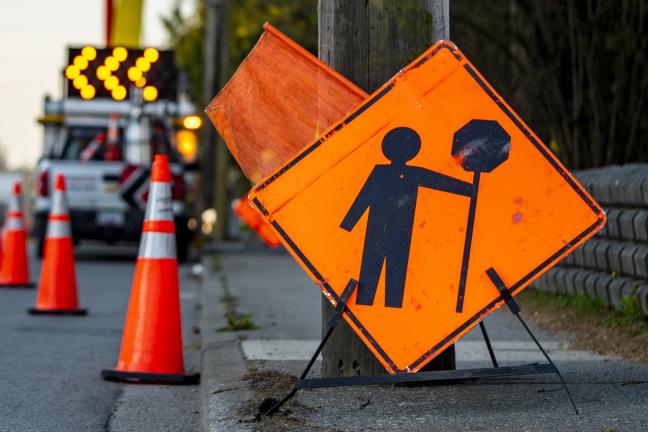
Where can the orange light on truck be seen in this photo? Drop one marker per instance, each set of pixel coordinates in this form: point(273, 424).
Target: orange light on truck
point(187, 144)
point(192, 122)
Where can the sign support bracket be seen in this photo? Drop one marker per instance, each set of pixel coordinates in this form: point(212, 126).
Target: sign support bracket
point(433, 376)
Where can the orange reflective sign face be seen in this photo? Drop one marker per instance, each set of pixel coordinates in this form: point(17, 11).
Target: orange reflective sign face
point(426, 185)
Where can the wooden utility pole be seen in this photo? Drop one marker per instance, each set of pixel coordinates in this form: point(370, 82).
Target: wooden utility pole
point(369, 41)
point(214, 153)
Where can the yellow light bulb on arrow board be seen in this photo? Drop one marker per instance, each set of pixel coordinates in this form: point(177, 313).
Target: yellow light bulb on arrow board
point(88, 92)
point(103, 72)
point(150, 93)
point(143, 64)
point(80, 62)
point(111, 63)
point(72, 72)
point(119, 93)
point(111, 82)
point(151, 54)
point(90, 53)
point(120, 53)
point(134, 73)
point(80, 81)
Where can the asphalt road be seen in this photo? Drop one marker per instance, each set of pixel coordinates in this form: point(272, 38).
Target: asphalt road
point(49, 366)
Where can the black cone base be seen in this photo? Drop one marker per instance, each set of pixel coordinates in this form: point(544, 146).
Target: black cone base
point(77, 312)
point(18, 285)
point(150, 378)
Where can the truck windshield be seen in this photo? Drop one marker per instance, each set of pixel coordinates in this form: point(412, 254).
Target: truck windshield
point(92, 144)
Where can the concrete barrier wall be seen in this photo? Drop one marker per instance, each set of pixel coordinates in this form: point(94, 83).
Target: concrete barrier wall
point(613, 264)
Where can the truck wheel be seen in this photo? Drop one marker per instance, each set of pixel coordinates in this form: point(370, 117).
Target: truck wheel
point(38, 232)
point(40, 247)
point(183, 249)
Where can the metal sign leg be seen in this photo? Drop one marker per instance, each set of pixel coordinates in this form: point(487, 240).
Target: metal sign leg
point(515, 309)
point(488, 343)
point(332, 324)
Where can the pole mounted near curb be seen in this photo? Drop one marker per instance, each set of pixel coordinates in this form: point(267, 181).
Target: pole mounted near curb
point(368, 42)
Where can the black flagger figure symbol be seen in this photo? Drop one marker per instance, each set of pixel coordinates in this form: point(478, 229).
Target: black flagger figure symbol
point(390, 194)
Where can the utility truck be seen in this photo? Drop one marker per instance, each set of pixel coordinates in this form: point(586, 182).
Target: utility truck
point(120, 107)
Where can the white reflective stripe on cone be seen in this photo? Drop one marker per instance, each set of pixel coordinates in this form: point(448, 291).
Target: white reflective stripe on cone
point(160, 204)
point(59, 203)
point(157, 245)
point(14, 223)
point(58, 229)
point(15, 203)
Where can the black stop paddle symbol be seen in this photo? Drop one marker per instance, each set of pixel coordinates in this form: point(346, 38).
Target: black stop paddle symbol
point(479, 147)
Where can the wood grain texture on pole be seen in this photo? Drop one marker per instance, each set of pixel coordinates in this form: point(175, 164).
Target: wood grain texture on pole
point(369, 41)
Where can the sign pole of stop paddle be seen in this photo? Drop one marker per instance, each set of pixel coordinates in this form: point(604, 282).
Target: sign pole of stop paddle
point(479, 147)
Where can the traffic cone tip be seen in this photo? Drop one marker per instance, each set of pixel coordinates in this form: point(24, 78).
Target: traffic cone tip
point(59, 184)
point(161, 172)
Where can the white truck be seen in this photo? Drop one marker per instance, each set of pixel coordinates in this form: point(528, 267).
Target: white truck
point(103, 142)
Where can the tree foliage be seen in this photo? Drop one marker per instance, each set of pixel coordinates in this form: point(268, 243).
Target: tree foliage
point(298, 19)
point(577, 71)
point(186, 36)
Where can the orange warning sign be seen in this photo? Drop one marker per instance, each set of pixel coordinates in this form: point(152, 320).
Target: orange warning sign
point(421, 189)
point(260, 125)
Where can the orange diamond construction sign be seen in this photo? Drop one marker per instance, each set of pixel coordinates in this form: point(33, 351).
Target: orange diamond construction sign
point(416, 193)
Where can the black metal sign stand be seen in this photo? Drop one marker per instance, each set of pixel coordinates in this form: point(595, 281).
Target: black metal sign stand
point(435, 376)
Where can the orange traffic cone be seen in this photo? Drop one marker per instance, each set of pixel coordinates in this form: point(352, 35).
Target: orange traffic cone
point(14, 271)
point(57, 289)
point(151, 349)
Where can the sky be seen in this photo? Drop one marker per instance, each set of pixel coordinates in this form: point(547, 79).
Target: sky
point(34, 35)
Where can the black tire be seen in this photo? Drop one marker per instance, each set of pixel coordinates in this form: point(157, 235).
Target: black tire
point(183, 239)
point(40, 247)
point(182, 249)
point(38, 231)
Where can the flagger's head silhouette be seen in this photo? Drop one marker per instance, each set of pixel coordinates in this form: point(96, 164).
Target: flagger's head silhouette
point(401, 145)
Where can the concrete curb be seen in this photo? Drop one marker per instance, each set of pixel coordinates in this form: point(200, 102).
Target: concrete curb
point(222, 391)
point(222, 364)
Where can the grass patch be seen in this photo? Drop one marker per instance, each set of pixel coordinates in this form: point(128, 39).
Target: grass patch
point(593, 325)
point(581, 304)
point(238, 323)
point(227, 297)
point(217, 266)
point(630, 316)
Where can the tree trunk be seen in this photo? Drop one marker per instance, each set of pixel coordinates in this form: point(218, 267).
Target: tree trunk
point(369, 41)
